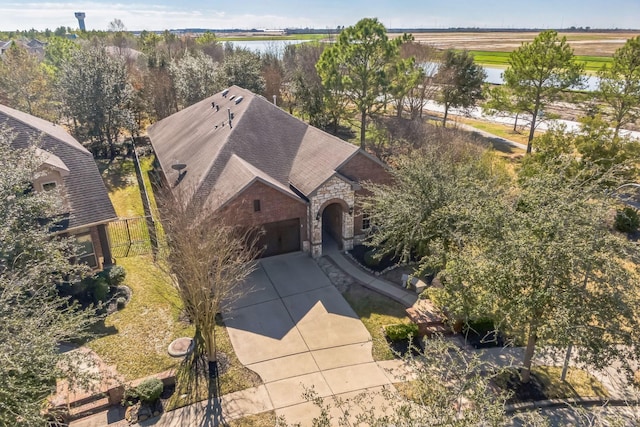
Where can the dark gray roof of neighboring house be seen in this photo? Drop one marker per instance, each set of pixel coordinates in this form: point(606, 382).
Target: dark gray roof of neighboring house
point(263, 142)
point(86, 193)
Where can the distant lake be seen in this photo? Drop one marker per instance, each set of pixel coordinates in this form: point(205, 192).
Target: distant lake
point(261, 46)
point(494, 76)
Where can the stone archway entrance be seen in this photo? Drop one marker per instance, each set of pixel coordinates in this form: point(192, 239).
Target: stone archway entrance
point(332, 235)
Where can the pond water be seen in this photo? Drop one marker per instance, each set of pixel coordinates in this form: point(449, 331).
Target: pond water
point(494, 74)
point(261, 46)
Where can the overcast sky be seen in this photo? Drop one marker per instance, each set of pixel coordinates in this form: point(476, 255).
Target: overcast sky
point(272, 14)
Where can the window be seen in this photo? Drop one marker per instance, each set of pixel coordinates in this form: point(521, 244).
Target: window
point(256, 205)
point(86, 252)
point(48, 186)
point(366, 221)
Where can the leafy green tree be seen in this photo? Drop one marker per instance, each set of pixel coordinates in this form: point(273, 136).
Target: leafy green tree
point(25, 83)
point(460, 81)
point(500, 99)
point(620, 85)
point(194, 78)
point(602, 149)
point(96, 95)
point(543, 262)
point(537, 255)
point(33, 318)
point(57, 51)
point(538, 71)
point(242, 68)
point(429, 207)
point(406, 77)
point(593, 151)
point(359, 66)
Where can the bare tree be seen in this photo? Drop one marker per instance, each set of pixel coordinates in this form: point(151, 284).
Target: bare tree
point(427, 59)
point(208, 260)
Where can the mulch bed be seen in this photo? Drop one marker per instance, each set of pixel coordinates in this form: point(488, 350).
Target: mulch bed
point(402, 347)
point(532, 391)
point(387, 261)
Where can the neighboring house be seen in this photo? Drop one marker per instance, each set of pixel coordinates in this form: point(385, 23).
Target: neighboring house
point(33, 46)
point(85, 207)
point(261, 166)
point(4, 46)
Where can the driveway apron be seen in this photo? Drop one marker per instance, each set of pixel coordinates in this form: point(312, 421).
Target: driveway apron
point(296, 331)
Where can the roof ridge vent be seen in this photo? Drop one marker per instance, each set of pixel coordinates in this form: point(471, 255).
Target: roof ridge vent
point(239, 99)
point(231, 97)
point(225, 92)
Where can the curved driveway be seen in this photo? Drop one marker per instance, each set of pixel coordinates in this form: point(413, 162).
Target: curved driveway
point(296, 331)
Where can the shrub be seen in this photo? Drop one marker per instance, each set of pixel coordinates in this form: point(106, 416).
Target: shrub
point(401, 331)
point(149, 390)
point(115, 275)
point(371, 258)
point(627, 220)
point(482, 333)
point(99, 289)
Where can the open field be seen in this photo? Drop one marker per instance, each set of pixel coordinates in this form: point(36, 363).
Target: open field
point(501, 59)
point(583, 43)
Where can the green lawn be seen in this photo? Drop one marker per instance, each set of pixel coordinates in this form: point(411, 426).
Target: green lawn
point(141, 332)
point(501, 59)
point(579, 383)
point(376, 311)
point(120, 180)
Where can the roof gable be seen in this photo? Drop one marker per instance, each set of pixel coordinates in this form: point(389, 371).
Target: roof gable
point(237, 124)
point(87, 195)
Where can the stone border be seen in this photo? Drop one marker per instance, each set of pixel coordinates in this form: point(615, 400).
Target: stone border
point(367, 269)
point(567, 403)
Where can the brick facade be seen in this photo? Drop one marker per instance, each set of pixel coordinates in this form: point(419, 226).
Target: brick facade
point(274, 206)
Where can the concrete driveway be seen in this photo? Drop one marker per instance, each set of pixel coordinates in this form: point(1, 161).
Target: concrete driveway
point(296, 330)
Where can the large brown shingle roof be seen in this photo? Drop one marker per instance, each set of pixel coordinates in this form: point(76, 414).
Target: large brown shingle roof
point(273, 145)
point(86, 193)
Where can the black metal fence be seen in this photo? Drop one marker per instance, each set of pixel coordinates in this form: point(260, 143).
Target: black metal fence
point(130, 236)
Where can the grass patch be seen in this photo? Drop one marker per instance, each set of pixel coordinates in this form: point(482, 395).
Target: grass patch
point(579, 383)
point(546, 384)
point(121, 183)
point(263, 419)
point(501, 59)
point(375, 312)
point(498, 129)
point(146, 326)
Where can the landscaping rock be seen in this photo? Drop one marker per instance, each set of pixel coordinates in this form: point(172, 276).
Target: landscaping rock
point(180, 347)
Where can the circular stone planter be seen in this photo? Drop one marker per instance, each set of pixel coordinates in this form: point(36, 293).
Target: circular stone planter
point(180, 347)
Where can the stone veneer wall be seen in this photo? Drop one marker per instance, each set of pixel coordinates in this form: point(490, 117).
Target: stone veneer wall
point(334, 189)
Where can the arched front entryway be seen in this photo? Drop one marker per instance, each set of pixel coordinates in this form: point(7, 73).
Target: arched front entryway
point(332, 233)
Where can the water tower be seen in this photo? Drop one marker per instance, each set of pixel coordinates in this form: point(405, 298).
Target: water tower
point(80, 17)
